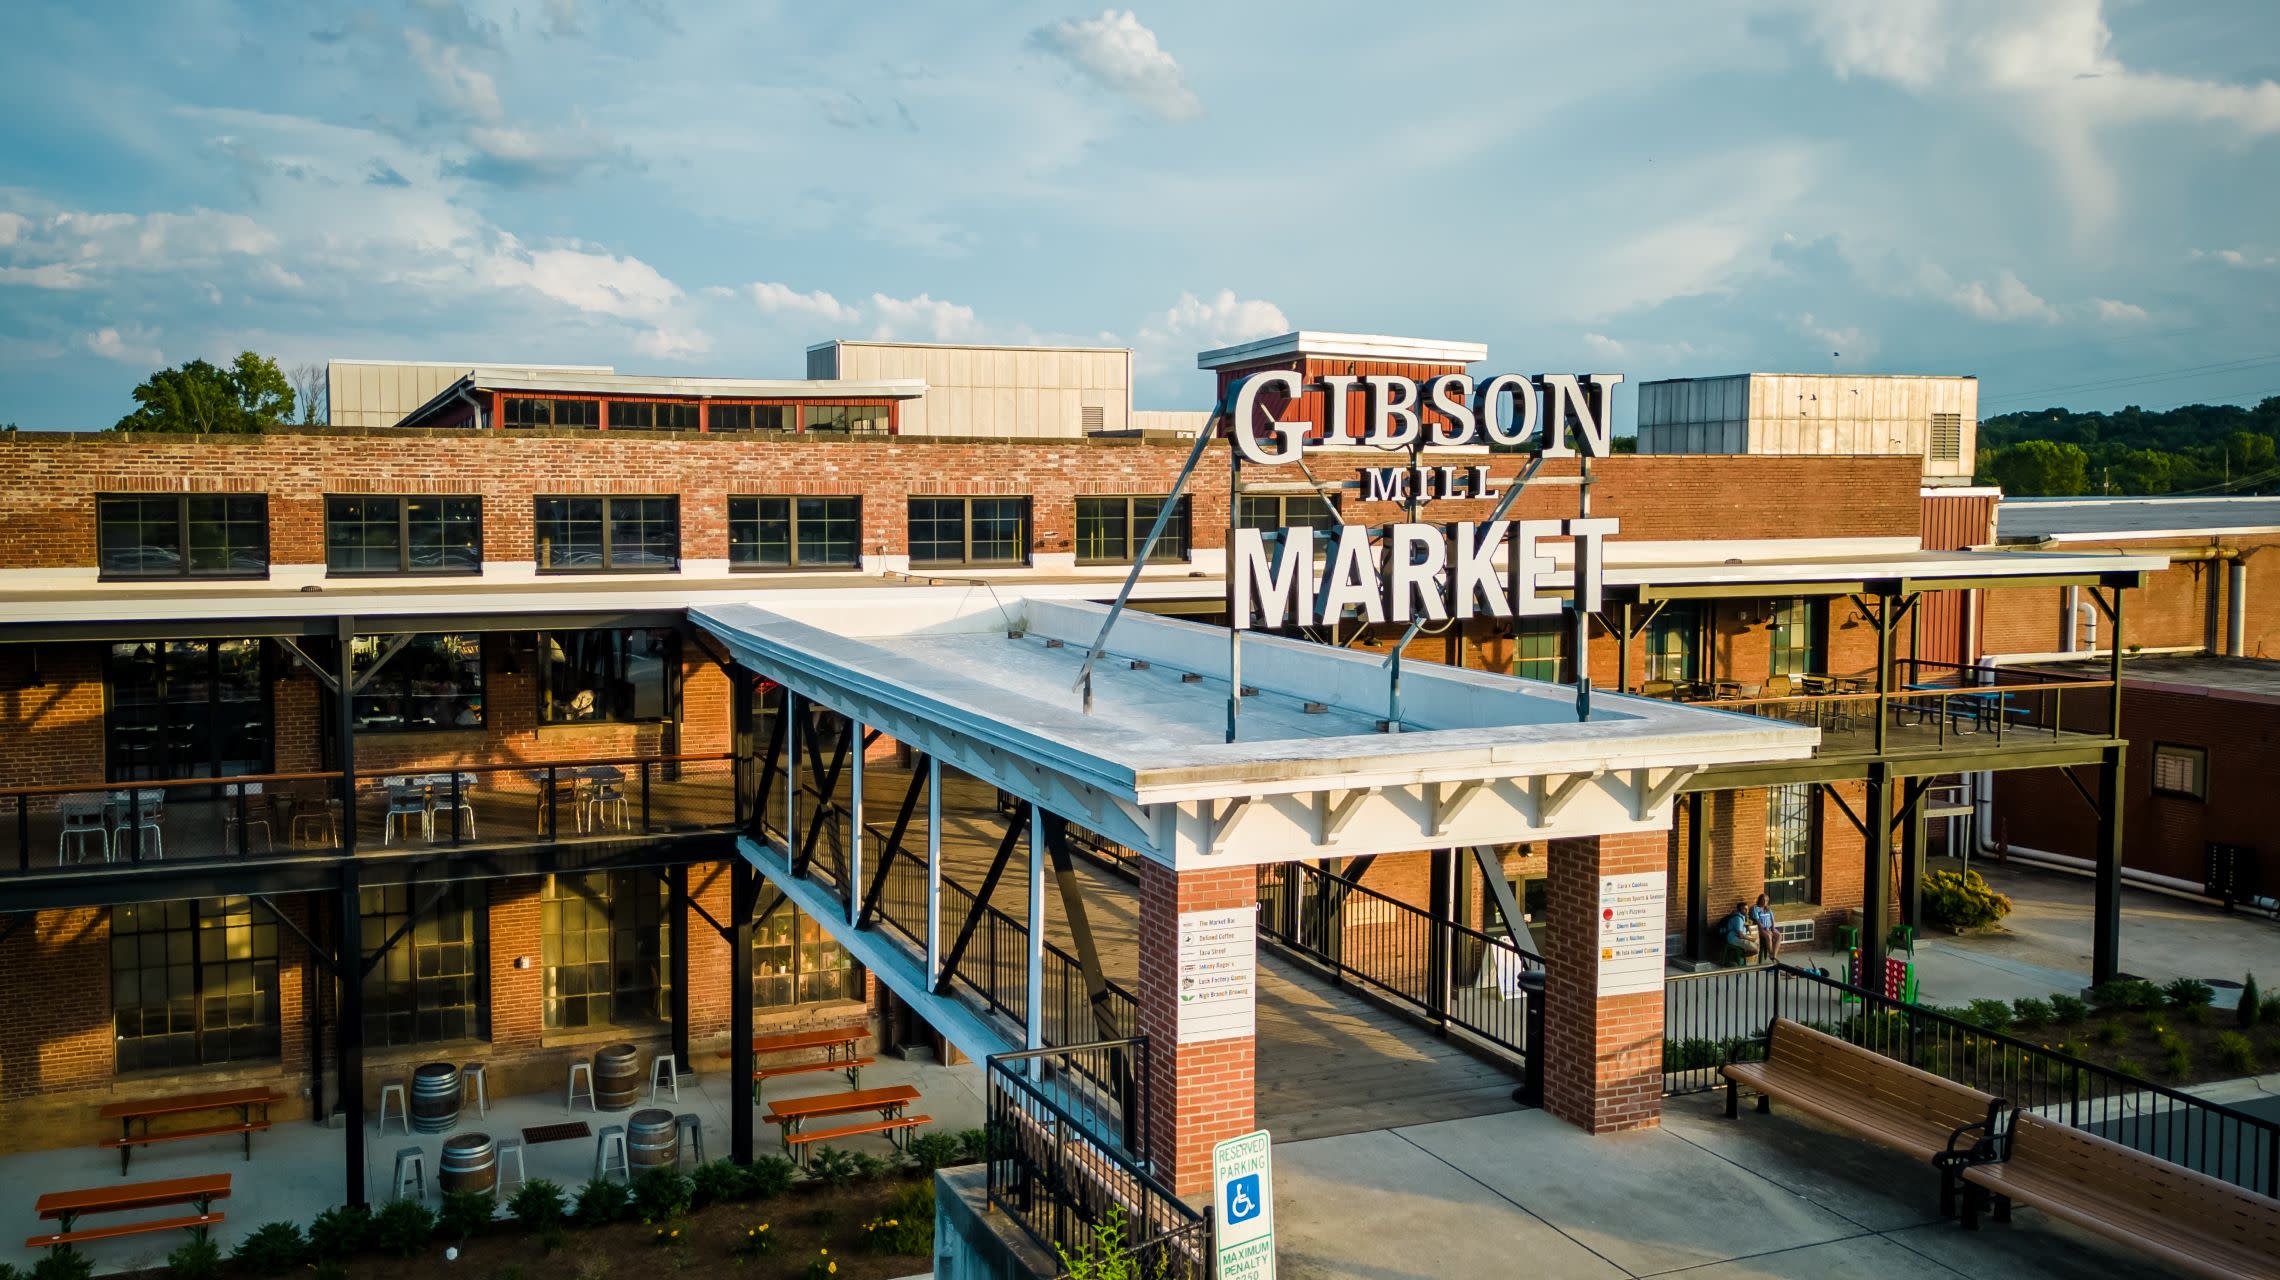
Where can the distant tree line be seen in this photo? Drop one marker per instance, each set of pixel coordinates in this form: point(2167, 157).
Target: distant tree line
point(2196, 448)
point(248, 395)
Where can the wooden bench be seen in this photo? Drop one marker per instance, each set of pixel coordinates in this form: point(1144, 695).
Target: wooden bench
point(896, 1130)
point(2187, 1219)
point(67, 1207)
point(1889, 1103)
point(792, 1114)
point(244, 1101)
point(838, 1045)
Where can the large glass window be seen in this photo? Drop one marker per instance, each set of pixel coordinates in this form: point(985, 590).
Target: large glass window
point(183, 535)
point(418, 683)
point(1544, 649)
point(795, 962)
point(751, 417)
point(653, 415)
point(375, 534)
point(845, 417)
point(429, 986)
point(596, 535)
point(1796, 638)
point(606, 675)
point(1789, 843)
point(1110, 530)
point(794, 533)
point(969, 531)
point(604, 946)
point(1672, 642)
point(526, 411)
point(1285, 511)
point(186, 709)
point(193, 983)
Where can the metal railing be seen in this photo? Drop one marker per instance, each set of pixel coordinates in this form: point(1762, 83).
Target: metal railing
point(1948, 700)
point(1724, 1016)
point(1059, 1165)
point(1444, 972)
point(78, 826)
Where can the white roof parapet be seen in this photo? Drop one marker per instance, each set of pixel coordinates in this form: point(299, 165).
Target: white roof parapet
point(1345, 346)
point(513, 378)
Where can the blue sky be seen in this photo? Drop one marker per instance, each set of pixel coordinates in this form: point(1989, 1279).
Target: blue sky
point(2077, 201)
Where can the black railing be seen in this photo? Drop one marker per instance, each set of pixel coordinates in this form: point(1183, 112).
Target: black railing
point(1717, 1017)
point(1060, 1166)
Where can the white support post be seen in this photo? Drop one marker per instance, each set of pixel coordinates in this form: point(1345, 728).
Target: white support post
point(855, 829)
point(1036, 1000)
point(792, 781)
point(933, 871)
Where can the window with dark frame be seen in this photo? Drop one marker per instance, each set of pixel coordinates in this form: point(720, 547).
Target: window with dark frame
point(429, 987)
point(1796, 638)
point(604, 950)
point(1672, 640)
point(607, 534)
point(622, 676)
point(653, 415)
point(1110, 530)
point(871, 418)
point(193, 984)
point(2180, 771)
point(1544, 649)
point(532, 411)
point(1286, 511)
point(796, 962)
point(969, 532)
point(403, 534)
point(1790, 821)
point(182, 535)
point(431, 681)
point(751, 417)
point(794, 532)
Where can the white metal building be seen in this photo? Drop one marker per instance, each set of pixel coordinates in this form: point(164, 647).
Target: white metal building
point(1935, 417)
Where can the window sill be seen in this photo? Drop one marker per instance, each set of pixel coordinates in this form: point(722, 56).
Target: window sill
point(580, 1037)
point(221, 1073)
point(598, 570)
point(263, 576)
point(849, 567)
point(384, 575)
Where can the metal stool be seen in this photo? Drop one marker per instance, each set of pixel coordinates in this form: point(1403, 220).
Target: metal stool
point(609, 1149)
point(691, 1127)
point(412, 1162)
point(394, 1088)
point(664, 1071)
point(584, 1067)
point(473, 1073)
point(509, 1147)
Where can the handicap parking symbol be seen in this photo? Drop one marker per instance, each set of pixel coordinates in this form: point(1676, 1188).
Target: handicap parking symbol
point(1243, 1198)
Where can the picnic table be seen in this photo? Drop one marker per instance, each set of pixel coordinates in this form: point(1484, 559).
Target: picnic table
point(838, 1044)
point(890, 1102)
point(65, 1208)
point(148, 1109)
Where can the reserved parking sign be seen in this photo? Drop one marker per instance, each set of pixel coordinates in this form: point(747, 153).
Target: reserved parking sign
point(1243, 1197)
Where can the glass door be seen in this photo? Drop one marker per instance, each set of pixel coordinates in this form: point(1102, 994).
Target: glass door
point(186, 709)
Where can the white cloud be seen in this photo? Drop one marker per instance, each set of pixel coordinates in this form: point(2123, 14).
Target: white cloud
point(922, 319)
point(2009, 298)
point(673, 344)
point(12, 226)
point(1122, 56)
point(500, 150)
point(135, 346)
point(2114, 311)
point(1221, 320)
point(48, 275)
point(782, 299)
point(2245, 259)
point(1849, 342)
point(589, 279)
point(468, 91)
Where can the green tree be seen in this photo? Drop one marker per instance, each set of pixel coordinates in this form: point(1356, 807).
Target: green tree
point(199, 397)
point(2039, 468)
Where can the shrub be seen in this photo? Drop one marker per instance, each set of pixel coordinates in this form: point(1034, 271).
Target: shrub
point(661, 1194)
point(537, 1205)
point(403, 1227)
point(833, 1167)
point(551, 1238)
point(2189, 993)
point(2129, 1066)
point(601, 1202)
point(2234, 1050)
point(2127, 994)
point(2177, 1057)
point(2193, 1014)
point(1989, 1015)
point(715, 1182)
point(2251, 1008)
point(273, 1249)
point(1102, 1255)
point(769, 1176)
point(907, 1227)
point(10, 1271)
point(1962, 900)
point(64, 1262)
point(672, 1233)
point(822, 1266)
point(339, 1232)
point(466, 1212)
point(870, 1168)
point(934, 1151)
point(2026, 1011)
point(198, 1258)
point(973, 1146)
point(2069, 1009)
point(756, 1242)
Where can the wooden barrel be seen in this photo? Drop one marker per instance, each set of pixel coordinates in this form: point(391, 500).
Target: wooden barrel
point(470, 1163)
point(652, 1140)
point(435, 1097)
point(617, 1077)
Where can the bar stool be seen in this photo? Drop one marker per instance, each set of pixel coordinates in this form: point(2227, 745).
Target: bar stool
point(395, 1089)
point(411, 1162)
point(584, 1067)
point(609, 1151)
point(664, 1072)
point(472, 1073)
point(510, 1147)
point(691, 1128)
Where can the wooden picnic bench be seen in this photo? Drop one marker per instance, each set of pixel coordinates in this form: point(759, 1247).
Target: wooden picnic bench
point(2183, 1217)
point(147, 1109)
point(890, 1102)
point(67, 1207)
point(1887, 1102)
point(838, 1045)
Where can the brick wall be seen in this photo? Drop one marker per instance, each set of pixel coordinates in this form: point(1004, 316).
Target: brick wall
point(1602, 1055)
point(2170, 611)
point(1204, 1093)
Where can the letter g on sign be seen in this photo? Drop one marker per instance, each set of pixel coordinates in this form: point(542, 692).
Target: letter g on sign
point(1243, 423)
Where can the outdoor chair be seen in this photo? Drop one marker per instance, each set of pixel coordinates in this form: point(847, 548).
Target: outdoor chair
point(256, 815)
point(136, 814)
point(606, 799)
point(406, 804)
point(439, 802)
point(316, 819)
point(81, 817)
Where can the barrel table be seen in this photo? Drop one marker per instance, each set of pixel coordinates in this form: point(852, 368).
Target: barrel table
point(435, 1097)
point(652, 1141)
point(470, 1163)
point(617, 1077)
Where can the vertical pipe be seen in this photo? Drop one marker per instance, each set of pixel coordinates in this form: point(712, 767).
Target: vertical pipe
point(933, 871)
point(744, 900)
point(2106, 911)
point(1034, 1004)
point(351, 955)
point(855, 828)
point(2069, 629)
point(792, 780)
point(2236, 609)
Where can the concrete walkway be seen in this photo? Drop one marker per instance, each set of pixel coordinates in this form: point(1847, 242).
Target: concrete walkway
point(1525, 1194)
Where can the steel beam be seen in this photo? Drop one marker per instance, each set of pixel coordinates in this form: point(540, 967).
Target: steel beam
point(1876, 879)
point(1500, 892)
point(1033, 1001)
point(826, 795)
point(1080, 923)
point(351, 1036)
point(677, 938)
point(933, 874)
point(1912, 852)
point(957, 951)
point(920, 771)
point(2106, 909)
point(1697, 876)
point(743, 898)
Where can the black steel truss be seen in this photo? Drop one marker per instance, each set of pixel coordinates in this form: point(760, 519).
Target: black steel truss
point(983, 895)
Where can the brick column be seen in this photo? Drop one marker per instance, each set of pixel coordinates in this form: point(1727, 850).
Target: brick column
point(1602, 1057)
point(1199, 1094)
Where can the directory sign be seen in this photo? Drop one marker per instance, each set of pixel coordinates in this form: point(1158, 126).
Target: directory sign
point(1243, 1197)
point(1631, 933)
point(1219, 974)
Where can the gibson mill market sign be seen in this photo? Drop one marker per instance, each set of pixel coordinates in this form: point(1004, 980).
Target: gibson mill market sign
point(1494, 568)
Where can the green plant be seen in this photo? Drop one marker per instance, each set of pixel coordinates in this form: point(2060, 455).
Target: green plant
point(1989, 1015)
point(64, 1262)
point(1101, 1255)
point(756, 1242)
point(2177, 1057)
point(672, 1233)
point(907, 1227)
point(2127, 994)
point(870, 1168)
point(10, 1271)
point(769, 1176)
point(2250, 1011)
point(1962, 900)
point(466, 1212)
point(2027, 1011)
point(973, 1146)
point(198, 1258)
point(2193, 1014)
point(833, 1167)
point(601, 1202)
point(715, 1182)
point(822, 1266)
point(2189, 993)
point(933, 1151)
point(2069, 1010)
point(551, 1238)
point(2234, 1050)
point(596, 1267)
point(661, 1194)
point(339, 1232)
point(2129, 1066)
point(537, 1205)
point(2272, 1046)
point(272, 1249)
point(403, 1227)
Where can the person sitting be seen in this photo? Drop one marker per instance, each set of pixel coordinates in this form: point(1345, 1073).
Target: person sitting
point(1740, 936)
point(1768, 932)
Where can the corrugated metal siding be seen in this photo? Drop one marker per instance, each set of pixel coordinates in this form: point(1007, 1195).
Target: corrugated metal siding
point(1952, 523)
